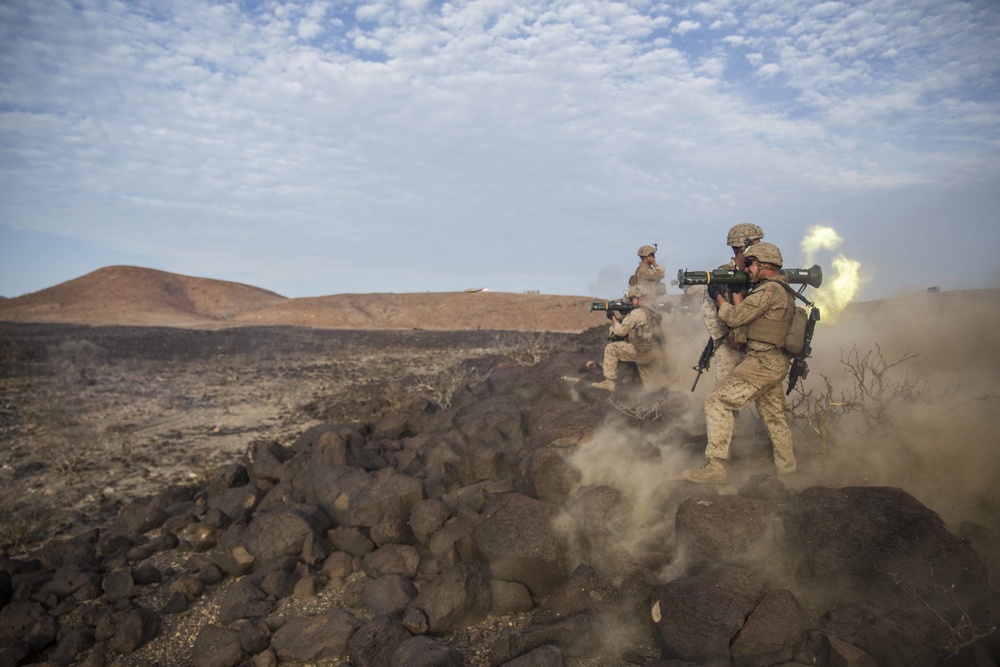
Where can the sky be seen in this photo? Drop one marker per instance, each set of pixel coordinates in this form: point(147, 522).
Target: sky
point(328, 147)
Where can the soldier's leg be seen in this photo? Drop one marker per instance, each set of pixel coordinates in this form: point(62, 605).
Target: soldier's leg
point(725, 360)
point(723, 403)
point(771, 406)
point(611, 361)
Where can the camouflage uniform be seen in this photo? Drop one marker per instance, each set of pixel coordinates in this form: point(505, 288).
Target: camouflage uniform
point(650, 279)
point(728, 354)
point(757, 378)
point(642, 345)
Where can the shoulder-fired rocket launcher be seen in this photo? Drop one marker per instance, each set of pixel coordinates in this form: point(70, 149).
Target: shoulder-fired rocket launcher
point(812, 277)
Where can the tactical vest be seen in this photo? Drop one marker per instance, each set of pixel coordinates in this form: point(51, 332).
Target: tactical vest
point(771, 331)
point(645, 336)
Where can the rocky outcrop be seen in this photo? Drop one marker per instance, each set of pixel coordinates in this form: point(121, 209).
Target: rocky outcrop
point(424, 526)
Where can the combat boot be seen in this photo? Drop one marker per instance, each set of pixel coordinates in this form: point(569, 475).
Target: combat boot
point(606, 384)
point(713, 472)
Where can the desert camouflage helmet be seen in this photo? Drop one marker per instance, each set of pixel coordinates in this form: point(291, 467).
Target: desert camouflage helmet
point(740, 235)
point(647, 250)
point(635, 291)
point(766, 252)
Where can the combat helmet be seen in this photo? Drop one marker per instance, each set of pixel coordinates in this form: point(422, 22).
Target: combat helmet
point(647, 250)
point(742, 234)
point(766, 252)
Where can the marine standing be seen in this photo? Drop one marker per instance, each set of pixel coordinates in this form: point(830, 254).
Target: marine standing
point(728, 349)
point(648, 275)
point(762, 319)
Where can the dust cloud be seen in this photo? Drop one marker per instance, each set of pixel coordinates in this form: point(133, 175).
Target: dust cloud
point(908, 389)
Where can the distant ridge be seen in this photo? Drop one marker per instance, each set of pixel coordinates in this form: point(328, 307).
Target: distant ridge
point(131, 295)
point(134, 296)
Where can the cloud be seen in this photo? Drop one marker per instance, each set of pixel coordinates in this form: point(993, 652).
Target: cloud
point(194, 129)
point(685, 27)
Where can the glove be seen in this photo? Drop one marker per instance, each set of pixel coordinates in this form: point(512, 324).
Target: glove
point(716, 291)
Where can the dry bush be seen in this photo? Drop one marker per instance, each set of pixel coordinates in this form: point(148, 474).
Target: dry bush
point(940, 601)
point(441, 386)
point(876, 390)
point(643, 408)
point(24, 519)
point(526, 348)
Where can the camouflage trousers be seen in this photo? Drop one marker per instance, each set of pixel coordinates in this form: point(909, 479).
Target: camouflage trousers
point(652, 372)
point(726, 360)
point(758, 379)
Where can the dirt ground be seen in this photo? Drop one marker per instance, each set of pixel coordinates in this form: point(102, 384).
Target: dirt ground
point(91, 417)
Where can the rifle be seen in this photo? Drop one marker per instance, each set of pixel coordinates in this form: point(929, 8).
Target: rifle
point(799, 368)
point(704, 361)
point(623, 307)
point(812, 277)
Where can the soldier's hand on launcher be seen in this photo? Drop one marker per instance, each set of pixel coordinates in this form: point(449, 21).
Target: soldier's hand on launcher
point(715, 291)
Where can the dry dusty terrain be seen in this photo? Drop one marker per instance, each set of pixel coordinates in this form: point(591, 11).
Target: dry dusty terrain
point(94, 416)
point(90, 417)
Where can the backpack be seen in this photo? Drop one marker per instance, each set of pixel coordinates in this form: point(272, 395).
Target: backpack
point(798, 332)
point(795, 339)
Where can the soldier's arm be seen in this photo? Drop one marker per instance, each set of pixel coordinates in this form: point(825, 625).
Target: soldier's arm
point(710, 314)
point(630, 322)
point(752, 307)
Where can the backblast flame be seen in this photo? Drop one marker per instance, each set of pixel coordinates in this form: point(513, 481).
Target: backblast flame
point(819, 237)
point(835, 294)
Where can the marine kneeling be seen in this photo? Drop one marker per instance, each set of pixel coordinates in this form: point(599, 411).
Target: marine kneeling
point(638, 337)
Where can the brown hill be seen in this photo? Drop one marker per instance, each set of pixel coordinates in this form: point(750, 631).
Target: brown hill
point(132, 296)
point(128, 295)
point(431, 310)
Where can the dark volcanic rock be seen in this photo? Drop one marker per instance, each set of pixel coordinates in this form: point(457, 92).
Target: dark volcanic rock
point(543, 656)
point(426, 518)
point(73, 640)
point(388, 595)
point(520, 540)
point(509, 597)
point(460, 597)
point(729, 529)
point(771, 633)
point(425, 652)
point(243, 600)
point(135, 629)
point(278, 533)
point(265, 461)
point(375, 642)
point(697, 617)
point(323, 637)
point(216, 647)
point(389, 493)
point(873, 541)
point(400, 559)
point(904, 639)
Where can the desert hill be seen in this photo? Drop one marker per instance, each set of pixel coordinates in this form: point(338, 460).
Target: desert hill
point(133, 296)
point(129, 295)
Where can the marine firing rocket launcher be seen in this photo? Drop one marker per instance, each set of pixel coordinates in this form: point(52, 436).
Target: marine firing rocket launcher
point(812, 277)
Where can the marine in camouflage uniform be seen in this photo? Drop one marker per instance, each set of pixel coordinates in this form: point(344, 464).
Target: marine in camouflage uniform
point(728, 350)
point(648, 275)
point(763, 318)
point(642, 343)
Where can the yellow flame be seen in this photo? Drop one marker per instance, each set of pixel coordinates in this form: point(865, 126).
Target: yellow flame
point(837, 293)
